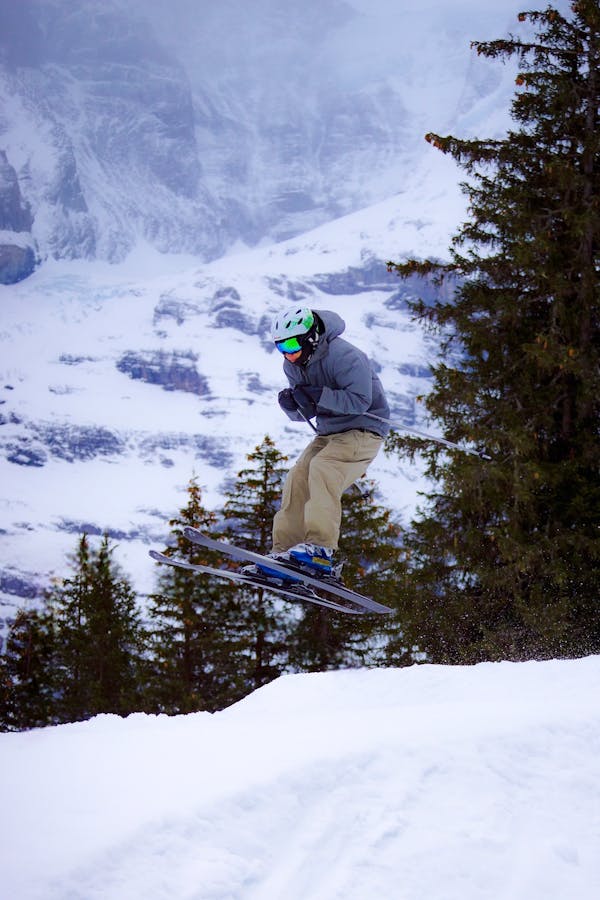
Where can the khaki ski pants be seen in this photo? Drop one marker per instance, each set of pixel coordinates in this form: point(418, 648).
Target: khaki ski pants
point(311, 508)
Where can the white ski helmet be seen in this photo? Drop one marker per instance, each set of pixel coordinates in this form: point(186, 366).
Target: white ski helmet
point(296, 331)
point(294, 322)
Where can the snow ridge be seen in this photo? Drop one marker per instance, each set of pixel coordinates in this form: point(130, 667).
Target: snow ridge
point(452, 783)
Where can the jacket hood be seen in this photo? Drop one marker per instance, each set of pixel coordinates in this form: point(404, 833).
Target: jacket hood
point(334, 324)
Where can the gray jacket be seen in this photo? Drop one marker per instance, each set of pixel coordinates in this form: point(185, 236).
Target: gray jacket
point(350, 386)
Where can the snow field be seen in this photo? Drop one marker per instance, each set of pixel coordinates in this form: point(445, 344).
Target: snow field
point(446, 783)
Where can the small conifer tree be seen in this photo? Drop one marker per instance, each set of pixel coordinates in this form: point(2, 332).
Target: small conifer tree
point(195, 652)
point(99, 638)
point(248, 512)
point(371, 549)
point(26, 673)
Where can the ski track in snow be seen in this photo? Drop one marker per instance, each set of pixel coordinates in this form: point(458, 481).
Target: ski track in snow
point(462, 783)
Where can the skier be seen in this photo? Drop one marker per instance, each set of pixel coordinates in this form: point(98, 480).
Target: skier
point(333, 380)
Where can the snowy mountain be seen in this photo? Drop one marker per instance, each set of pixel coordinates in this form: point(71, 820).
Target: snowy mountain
point(194, 125)
point(445, 783)
point(153, 157)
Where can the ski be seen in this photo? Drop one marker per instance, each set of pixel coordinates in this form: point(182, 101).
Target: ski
point(322, 584)
point(295, 591)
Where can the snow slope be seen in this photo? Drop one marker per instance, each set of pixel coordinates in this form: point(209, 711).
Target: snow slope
point(464, 783)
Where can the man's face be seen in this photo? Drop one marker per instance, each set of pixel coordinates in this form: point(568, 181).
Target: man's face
point(291, 348)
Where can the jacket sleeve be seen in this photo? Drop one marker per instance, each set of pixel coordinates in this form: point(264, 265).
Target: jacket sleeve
point(353, 378)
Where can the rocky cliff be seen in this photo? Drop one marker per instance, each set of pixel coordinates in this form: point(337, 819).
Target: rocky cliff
point(194, 126)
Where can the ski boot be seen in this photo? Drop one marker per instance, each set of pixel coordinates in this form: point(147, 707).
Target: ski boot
point(317, 561)
point(308, 558)
point(282, 556)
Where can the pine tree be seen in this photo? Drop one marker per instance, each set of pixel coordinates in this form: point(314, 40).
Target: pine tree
point(505, 556)
point(99, 638)
point(370, 546)
point(196, 655)
point(248, 512)
point(26, 673)
point(253, 499)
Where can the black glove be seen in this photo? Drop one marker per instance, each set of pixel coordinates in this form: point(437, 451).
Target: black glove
point(307, 399)
point(286, 400)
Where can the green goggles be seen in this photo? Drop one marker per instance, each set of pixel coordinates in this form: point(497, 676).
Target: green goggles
point(290, 345)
